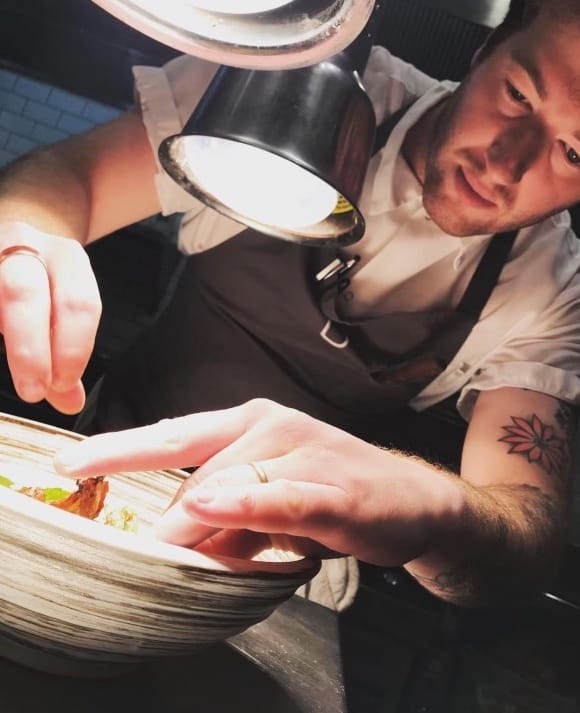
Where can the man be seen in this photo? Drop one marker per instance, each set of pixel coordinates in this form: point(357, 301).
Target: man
point(499, 153)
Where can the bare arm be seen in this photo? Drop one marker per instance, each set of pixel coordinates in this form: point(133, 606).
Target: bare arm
point(87, 186)
point(490, 535)
point(55, 201)
point(515, 467)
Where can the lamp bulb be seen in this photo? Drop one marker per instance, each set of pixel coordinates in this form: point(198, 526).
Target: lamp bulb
point(257, 184)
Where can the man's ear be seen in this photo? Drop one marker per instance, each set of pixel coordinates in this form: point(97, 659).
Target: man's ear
point(495, 38)
point(476, 56)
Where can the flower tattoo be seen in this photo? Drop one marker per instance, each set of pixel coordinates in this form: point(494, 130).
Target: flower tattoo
point(538, 442)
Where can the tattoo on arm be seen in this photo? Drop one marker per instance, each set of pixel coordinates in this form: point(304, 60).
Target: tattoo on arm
point(520, 522)
point(547, 445)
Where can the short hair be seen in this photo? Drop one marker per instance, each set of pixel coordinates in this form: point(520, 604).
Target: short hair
point(521, 13)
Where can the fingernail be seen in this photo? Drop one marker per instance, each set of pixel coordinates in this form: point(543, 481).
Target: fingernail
point(66, 462)
point(31, 390)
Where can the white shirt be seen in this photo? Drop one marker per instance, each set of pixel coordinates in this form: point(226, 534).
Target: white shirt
point(529, 332)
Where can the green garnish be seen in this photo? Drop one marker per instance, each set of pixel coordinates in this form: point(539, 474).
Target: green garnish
point(6, 482)
point(52, 495)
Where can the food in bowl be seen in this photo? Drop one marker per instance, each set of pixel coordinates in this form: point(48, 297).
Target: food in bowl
point(88, 500)
point(78, 597)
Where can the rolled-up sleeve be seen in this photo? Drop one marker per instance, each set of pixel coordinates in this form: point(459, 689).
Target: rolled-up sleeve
point(544, 358)
point(167, 97)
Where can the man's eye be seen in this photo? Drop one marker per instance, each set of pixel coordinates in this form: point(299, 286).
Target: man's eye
point(515, 93)
point(572, 156)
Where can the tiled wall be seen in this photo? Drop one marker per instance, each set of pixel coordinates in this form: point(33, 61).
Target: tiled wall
point(34, 113)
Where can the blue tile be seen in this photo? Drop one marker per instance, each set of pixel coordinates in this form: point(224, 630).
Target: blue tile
point(19, 145)
point(6, 157)
point(16, 123)
point(73, 124)
point(7, 79)
point(99, 113)
point(32, 89)
point(12, 102)
point(41, 113)
point(65, 101)
point(47, 135)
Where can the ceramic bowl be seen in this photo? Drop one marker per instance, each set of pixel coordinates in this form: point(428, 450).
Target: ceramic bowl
point(80, 597)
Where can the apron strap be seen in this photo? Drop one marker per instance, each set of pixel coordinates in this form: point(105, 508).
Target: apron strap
point(386, 127)
point(486, 274)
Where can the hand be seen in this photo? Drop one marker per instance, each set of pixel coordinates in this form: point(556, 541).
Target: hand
point(327, 491)
point(49, 313)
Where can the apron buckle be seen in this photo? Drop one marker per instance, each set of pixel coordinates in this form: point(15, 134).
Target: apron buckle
point(337, 268)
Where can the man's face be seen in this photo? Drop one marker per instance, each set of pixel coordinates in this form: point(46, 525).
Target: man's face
point(506, 146)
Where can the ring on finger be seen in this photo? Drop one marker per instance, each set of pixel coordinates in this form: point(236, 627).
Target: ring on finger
point(25, 250)
point(260, 472)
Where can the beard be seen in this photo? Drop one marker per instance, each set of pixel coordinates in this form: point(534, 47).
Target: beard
point(446, 210)
point(443, 202)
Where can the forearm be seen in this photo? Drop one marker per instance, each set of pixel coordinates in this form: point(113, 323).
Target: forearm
point(46, 190)
point(85, 187)
point(503, 545)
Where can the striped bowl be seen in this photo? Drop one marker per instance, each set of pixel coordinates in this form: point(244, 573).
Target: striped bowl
point(79, 597)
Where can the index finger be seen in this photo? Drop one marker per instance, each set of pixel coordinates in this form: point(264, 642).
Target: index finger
point(171, 443)
point(76, 311)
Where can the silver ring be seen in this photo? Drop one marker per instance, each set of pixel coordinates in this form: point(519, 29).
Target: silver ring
point(260, 472)
point(25, 250)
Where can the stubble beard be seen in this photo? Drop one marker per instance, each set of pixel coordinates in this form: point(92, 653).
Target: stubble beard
point(440, 201)
point(447, 213)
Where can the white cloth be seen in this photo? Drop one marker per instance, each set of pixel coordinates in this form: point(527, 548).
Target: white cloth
point(335, 586)
point(528, 335)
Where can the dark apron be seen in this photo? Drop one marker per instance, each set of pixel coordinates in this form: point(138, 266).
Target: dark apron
point(250, 319)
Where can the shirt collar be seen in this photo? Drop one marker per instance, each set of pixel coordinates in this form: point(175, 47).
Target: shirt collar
point(378, 194)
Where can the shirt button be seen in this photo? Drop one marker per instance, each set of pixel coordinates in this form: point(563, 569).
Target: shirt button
point(463, 368)
point(458, 262)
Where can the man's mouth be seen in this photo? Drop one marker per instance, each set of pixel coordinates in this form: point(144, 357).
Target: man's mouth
point(470, 187)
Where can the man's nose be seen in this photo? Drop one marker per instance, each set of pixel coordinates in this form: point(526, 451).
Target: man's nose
point(514, 151)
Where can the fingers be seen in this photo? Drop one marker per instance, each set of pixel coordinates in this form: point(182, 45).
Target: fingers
point(76, 311)
point(172, 443)
point(177, 525)
point(179, 528)
point(252, 431)
point(25, 312)
point(242, 544)
point(68, 402)
point(297, 497)
point(295, 508)
point(49, 313)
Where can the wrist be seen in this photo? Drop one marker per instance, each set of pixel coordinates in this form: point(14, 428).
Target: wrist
point(450, 508)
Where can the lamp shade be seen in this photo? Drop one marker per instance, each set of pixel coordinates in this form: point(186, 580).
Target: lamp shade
point(284, 152)
point(257, 34)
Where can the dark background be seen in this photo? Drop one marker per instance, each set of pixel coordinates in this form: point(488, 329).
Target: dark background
point(76, 45)
point(404, 652)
